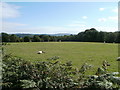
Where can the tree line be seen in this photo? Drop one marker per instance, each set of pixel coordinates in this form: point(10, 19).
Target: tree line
point(89, 35)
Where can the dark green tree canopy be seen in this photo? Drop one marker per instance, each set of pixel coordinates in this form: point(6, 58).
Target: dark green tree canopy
point(5, 37)
point(36, 38)
point(14, 38)
point(89, 35)
point(26, 39)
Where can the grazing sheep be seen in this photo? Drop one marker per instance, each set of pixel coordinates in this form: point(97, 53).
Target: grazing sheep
point(40, 52)
point(118, 59)
point(43, 51)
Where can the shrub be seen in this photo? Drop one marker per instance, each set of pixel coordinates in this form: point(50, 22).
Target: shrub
point(15, 69)
point(18, 73)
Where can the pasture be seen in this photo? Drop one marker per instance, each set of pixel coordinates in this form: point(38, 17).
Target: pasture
point(77, 52)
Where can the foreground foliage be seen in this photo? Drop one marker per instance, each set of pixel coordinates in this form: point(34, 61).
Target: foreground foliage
point(18, 73)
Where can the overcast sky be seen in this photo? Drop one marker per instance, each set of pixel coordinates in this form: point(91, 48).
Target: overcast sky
point(58, 17)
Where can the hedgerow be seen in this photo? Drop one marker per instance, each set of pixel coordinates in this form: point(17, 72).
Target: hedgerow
point(21, 74)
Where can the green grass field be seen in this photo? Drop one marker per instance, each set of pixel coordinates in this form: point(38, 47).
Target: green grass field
point(77, 52)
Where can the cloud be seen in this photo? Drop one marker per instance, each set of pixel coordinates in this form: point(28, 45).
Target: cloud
point(41, 29)
point(74, 27)
point(9, 10)
point(84, 17)
point(77, 24)
point(54, 29)
point(109, 19)
point(113, 18)
point(102, 28)
point(115, 10)
point(102, 19)
point(10, 26)
point(101, 9)
point(107, 29)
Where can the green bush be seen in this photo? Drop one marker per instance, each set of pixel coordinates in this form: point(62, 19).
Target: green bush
point(18, 73)
point(15, 69)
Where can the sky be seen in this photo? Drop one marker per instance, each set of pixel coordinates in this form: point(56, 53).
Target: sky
point(58, 17)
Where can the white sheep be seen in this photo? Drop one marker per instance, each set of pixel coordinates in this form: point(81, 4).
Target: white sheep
point(118, 59)
point(40, 52)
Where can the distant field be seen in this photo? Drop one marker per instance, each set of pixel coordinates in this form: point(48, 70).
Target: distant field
point(77, 52)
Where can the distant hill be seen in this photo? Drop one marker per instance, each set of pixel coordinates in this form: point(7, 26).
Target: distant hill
point(23, 35)
point(60, 34)
point(30, 35)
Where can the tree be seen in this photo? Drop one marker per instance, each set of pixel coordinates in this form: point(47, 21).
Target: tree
point(110, 37)
point(14, 38)
point(45, 37)
point(26, 39)
point(100, 37)
point(80, 36)
point(53, 38)
point(21, 39)
point(36, 38)
point(117, 36)
point(5, 37)
point(90, 35)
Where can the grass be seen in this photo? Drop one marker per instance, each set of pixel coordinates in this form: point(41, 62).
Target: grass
point(77, 52)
